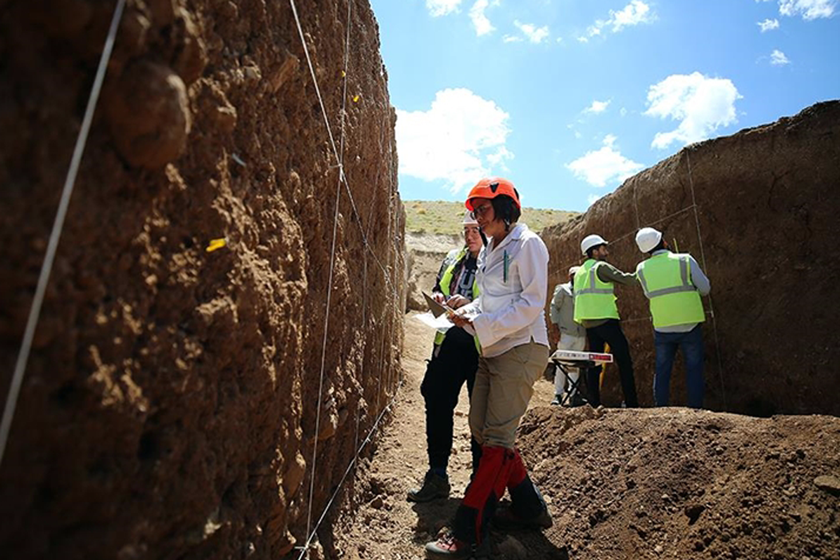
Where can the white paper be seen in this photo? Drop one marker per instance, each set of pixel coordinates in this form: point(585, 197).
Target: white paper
point(441, 323)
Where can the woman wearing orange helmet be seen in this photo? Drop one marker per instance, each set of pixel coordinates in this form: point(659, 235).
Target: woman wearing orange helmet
point(509, 320)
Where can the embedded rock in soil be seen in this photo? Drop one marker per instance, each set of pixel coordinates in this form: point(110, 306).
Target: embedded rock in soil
point(148, 114)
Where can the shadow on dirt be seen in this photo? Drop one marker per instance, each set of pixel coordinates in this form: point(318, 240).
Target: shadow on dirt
point(433, 517)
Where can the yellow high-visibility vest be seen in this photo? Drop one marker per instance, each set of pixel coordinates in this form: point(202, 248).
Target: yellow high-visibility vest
point(594, 299)
point(445, 281)
point(666, 281)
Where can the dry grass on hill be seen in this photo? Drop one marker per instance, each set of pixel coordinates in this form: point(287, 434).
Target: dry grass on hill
point(439, 217)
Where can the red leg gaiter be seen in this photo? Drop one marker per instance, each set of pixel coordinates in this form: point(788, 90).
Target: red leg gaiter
point(487, 486)
point(517, 471)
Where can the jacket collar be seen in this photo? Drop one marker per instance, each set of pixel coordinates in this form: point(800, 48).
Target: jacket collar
point(515, 233)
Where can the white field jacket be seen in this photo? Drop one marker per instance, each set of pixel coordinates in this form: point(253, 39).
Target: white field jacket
point(511, 307)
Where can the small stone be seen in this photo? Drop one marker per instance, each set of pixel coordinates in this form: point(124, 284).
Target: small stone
point(148, 114)
point(252, 74)
point(828, 483)
point(658, 549)
point(377, 502)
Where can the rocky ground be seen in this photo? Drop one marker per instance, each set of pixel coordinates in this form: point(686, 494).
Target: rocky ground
point(650, 484)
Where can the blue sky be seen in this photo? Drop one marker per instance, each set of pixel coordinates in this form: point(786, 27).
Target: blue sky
point(568, 98)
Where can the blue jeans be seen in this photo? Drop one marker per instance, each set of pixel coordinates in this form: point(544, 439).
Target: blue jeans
point(666, 349)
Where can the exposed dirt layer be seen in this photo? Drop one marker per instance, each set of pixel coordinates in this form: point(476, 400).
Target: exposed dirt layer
point(169, 405)
point(658, 483)
point(757, 210)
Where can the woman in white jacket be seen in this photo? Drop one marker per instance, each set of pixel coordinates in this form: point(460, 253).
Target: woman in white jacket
point(509, 320)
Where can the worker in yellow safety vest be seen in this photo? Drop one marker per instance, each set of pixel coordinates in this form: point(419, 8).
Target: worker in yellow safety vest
point(596, 310)
point(454, 361)
point(673, 282)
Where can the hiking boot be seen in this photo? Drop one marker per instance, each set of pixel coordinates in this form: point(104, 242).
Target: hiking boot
point(557, 400)
point(506, 520)
point(434, 487)
point(447, 547)
point(576, 400)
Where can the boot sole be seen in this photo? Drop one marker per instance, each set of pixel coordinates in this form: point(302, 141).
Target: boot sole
point(414, 499)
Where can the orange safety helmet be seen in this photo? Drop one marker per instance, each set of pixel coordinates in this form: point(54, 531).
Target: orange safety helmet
point(491, 187)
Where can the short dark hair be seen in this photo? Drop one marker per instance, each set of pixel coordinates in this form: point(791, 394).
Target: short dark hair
point(660, 245)
point(592, 249)
point(505, 208)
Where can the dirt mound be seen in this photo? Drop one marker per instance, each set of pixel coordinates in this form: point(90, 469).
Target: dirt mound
point(677, 483)
point(758, 211)
point(169, 405)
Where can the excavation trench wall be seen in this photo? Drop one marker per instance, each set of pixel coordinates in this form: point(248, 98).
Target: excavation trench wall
point(758, 210)
point(169, 408)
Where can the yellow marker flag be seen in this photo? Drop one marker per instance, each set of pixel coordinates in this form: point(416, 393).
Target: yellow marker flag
point(356, 98)
point(343, 74)
point(216, 244)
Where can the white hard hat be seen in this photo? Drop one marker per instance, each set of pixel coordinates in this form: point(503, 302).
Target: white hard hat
point(591, 241)
point(469, 219)
point(647, 239)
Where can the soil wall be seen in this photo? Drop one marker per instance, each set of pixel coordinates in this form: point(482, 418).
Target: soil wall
point(758, 210)
point(169, 405)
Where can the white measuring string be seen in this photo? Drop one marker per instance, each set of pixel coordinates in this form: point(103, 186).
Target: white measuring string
point(342, 178)
point(329, 132)
point(55, 234)
point(339, 157)
point(304, 547)
point(323, 356)
point(703, 258)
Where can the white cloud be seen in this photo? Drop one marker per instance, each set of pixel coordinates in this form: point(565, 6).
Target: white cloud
point(768, 25)
point(442, 7)
point(512, 39)
point(634, 13)
point(480, 22)
point(810, 9)
point(778, 58)
point(497, 159)
point(603, 166)
point(532, 32)
point(458, 140)
point(598, 106)
point(701, 104)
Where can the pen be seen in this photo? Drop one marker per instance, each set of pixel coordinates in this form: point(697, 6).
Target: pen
point(505, 271)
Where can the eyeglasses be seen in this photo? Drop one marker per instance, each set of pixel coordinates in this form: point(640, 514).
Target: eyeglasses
point(481, 210)
point(471, 229)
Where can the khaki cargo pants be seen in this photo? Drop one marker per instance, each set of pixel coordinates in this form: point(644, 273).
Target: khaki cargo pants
point(503, 387)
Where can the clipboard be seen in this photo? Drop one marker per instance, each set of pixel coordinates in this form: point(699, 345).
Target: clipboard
point(436, 308)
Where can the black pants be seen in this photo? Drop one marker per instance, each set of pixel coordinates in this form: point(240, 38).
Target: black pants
point(610, 332)
point(455, 363)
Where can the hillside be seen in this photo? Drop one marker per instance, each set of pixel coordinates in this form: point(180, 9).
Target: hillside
point(440, 217)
